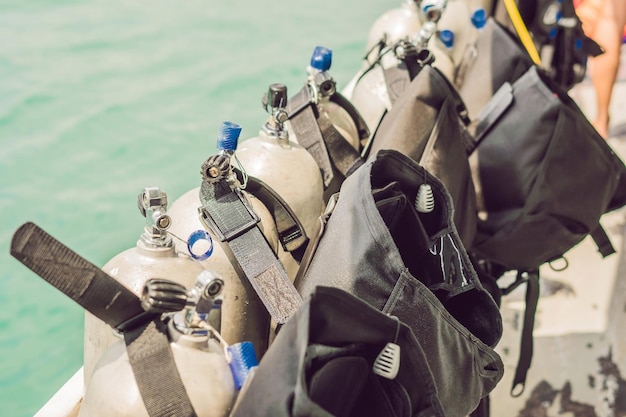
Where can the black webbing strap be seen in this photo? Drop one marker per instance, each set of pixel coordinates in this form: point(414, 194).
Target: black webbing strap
point(79, 279)
point(152, 361)
point(343, 155)
point(303, 121)
point(316, 133)
point(602, 241)
point(147, 343)
point(291, 233)
point(360, 123)
point(526, 343)
point(233, 222)
point(490, 114)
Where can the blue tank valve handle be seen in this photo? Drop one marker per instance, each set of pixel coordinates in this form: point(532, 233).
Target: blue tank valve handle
point(242, 360)
point(227, 136)
point(479, 18)
point(195, 237)
point(322, 58)
point(447, 38)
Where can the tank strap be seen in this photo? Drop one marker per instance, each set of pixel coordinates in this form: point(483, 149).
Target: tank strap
point(317, 134)
point(303, 121)
point(357, 119)
point(291, 233)
point(158, 380)
point(231, 219)
point(147, 343)
point(79, 279)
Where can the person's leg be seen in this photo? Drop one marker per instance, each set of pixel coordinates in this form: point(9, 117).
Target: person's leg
point(608, 33)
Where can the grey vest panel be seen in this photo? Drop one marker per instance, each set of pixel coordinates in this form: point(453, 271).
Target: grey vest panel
point(417, 270)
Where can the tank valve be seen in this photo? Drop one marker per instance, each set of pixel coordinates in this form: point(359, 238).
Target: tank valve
point(152, 204)
point(191, 307)
point(275, 103)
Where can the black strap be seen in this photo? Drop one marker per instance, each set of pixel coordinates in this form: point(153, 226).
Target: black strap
point(229, 217)
point(317, 134)
point(360, 123)
point(491, 113)
point(79, 279)
point(526, 343)
point(290, 231)
point(303, 121)
point(147, 343)
point(152, 361)
point(602, 241)
point(343, 155)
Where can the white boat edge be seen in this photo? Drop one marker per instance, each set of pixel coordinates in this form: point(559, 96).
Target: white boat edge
point(67, 400)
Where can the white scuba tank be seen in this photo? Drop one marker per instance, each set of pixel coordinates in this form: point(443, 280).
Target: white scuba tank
point(402, 22)
point(286, 167)
point(153, 256)
point(457, 33)
point(244, 317)
point(414, 22)
point(202, 359)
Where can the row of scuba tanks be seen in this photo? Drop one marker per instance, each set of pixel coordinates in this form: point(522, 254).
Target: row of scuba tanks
point(178, 244)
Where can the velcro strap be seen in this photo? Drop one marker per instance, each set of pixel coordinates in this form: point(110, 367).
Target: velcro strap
point(526, 343)
point(491, 113)
point(79, 279)
point(602, 241)
point(359, 122)
point(343, 155)
point(230, 218)
point(290, 231)
point(304, 125)
point(158, 380)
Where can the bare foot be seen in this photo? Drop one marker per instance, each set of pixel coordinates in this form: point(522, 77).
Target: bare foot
point(602, 126)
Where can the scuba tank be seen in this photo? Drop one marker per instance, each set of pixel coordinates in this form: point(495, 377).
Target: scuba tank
point(200, 355)
point(169, 365)
point(153, 255)
point(457, 33)
point(244, 316)
point(285, 166)
point(394, 26)
point(326, 123)
point(391, 64)
point(329, 102)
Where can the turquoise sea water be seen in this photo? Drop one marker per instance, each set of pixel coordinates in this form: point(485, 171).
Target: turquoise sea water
point(100, 99)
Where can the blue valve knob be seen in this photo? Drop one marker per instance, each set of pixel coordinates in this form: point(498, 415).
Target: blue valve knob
point(242, 360)
point(322, 58)
point(447, 38)
point(479, 18)
point(227, 136)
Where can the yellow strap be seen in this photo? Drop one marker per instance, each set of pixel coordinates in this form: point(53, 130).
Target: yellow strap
point(522, 31)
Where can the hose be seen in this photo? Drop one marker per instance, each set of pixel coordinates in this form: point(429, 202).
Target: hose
point(522, 30)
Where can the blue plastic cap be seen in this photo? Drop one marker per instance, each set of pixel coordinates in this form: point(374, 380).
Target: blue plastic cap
point(242, 360)
point(553, 32)
point(578, 44)
point(322, 58)
point(479, 18)
point(447, 37)
point(227, 136)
